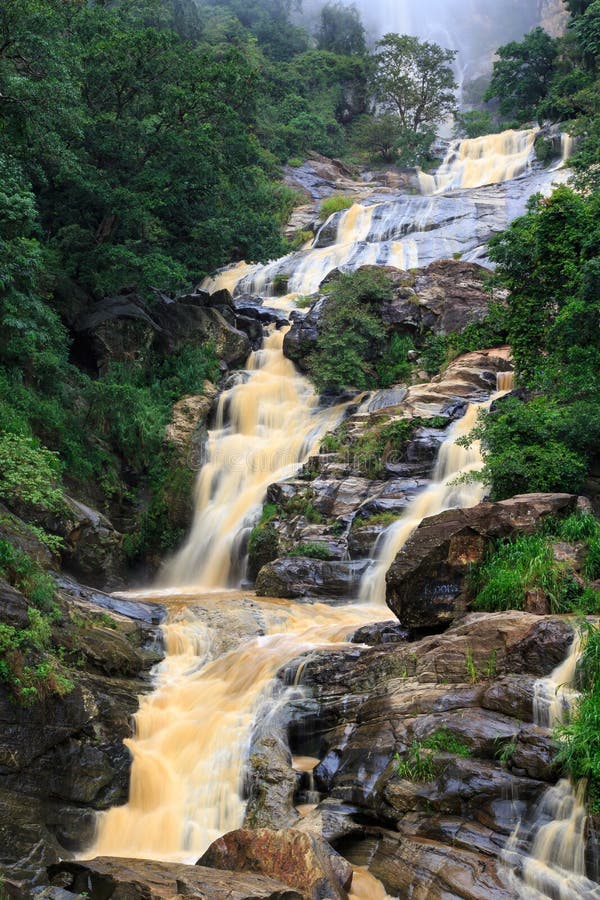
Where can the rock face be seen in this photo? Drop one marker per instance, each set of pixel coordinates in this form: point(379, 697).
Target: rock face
point(62, 756)
point(426, 582)
point(187, 429)
point(463, 700)
point(134, 879)
point(118, 329)
point(301, 860)
point(444, 297)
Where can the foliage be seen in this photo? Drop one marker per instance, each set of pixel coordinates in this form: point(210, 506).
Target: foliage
point(419, 764)
point(341, 30)
point(439, 350)
point(549, 260)
point(311, 549)
point(444, 741)
point(385, 443)
point(29, 473)
point(514, 567)
point(579, 737)
point(474, 123)
point(395, 366)
point(414, 80)
point(523, 73)
point(335, 203)
point(351, 334)
point(384, 518)
point(380, 135)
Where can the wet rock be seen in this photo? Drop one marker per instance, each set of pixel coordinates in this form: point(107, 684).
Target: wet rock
point(380, 633)
point(302, 860)
point(272, 784)
point(187, 429)
point(426, 582)
point(133, 879)
point(16, 532)
point(62, 756)
point(93, 547)
point(296, 577)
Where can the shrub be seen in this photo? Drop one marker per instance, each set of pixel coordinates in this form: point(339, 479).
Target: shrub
point(335, 203)
point(395, 366)
point(312, 549)
point(444, 741)
point(419, 764)
point(29, 473)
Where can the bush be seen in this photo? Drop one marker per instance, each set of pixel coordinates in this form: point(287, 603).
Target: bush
point(352, 337)
point(29, 473)
point(395, 365)
point(335, 203)
point(312, 549)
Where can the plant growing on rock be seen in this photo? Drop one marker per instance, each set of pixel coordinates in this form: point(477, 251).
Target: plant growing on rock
point(312, 549)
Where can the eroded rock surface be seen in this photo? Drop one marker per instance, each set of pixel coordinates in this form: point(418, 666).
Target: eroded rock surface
point(426, 582)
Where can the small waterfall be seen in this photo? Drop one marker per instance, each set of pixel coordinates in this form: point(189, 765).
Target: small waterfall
point(554, 865)
point(449, 489)
point(475, 162)
point(266, 427)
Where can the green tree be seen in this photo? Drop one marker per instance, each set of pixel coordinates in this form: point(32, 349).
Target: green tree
point(474, 123)
point(341, 30)
point(414, 80)
point(523, 74)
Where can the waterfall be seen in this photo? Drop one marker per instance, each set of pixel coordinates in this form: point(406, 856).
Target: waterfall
point(474, 162)
point(266, 427)
point(450, 488)
point(554, 866)
point(407, 231)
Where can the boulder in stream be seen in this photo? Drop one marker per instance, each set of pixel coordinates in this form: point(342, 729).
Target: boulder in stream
point(300, 859)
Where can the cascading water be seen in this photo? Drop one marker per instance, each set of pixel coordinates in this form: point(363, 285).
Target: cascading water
point(450, 488)
point(484, 160)
point(547, 858)
point(266, 427)
point(193, 733)
point(408, 231)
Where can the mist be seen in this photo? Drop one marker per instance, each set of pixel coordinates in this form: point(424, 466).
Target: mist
point(476, 28)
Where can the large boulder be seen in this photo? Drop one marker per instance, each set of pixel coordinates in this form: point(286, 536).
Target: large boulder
point(187, 430)
point(140, 879)
point(426, 581)
point(300, 859)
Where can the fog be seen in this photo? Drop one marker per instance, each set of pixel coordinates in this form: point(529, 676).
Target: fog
point(473, 27)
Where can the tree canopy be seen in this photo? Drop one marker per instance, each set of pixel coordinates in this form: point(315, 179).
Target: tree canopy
point(414, 79)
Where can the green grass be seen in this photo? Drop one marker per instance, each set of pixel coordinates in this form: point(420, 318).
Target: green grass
point(312, 549)
point(420, 763)
point(384, 518)
point(334, 204)
point(514, 567)
point(444, 741)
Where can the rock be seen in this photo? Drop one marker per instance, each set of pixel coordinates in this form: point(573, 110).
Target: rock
point(62, 756)
point(16, 532)
point(440, 298)
point(296, 577)
point(135, 879)
point(93, 547)
point(119, 329)
point(301, 860)
point(426, 582)
point(271, 785)
point(187, 429)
